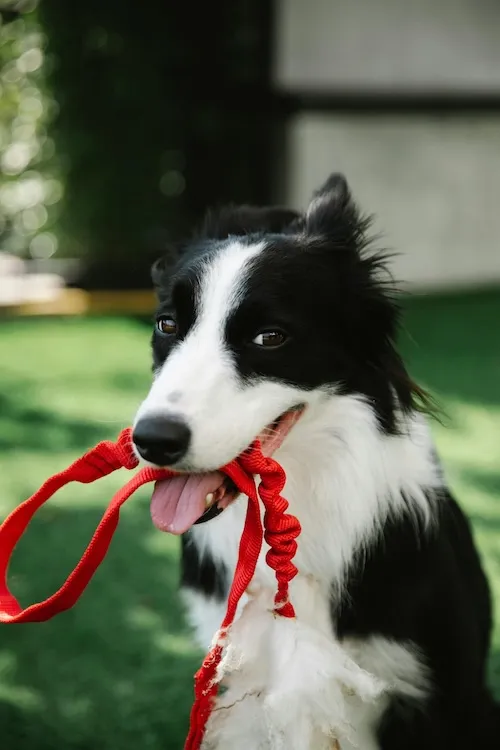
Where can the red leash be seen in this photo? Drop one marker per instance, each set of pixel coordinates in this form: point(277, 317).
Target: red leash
point(280, 531)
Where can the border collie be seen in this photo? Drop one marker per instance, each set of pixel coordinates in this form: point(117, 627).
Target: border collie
point(282, 325)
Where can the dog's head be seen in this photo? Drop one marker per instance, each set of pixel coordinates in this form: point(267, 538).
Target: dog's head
point(267, 312)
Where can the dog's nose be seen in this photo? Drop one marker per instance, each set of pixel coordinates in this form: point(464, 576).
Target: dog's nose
point(162, 440)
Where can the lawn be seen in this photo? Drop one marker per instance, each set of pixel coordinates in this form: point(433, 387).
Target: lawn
point(116, 672)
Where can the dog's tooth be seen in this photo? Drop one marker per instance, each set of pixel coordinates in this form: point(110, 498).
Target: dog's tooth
point(209, 499)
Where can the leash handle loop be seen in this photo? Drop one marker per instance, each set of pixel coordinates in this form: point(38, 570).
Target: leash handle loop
point(102, 460)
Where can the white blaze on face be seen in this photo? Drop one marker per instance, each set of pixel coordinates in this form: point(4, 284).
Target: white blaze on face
point(224, 414)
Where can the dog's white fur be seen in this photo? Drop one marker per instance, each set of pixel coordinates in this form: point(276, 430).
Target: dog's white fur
point(344, 478)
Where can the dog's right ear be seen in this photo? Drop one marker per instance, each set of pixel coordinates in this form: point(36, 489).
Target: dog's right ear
point(157, 272)
point(330, 203)
point(161, 270)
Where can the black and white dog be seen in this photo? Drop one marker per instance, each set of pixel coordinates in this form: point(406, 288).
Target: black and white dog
point(282, 325)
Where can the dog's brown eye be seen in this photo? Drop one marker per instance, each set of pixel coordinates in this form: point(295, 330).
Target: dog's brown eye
point(167, 326)
point(270, 339)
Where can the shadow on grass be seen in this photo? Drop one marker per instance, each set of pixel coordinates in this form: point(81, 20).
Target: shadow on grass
point(116, 671)
point(487, 481)
point(33, 427)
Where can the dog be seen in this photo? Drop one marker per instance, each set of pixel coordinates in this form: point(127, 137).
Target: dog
point(282, 325)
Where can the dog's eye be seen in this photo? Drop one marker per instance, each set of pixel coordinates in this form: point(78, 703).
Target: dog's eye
point(167, 326)
point(270, 339)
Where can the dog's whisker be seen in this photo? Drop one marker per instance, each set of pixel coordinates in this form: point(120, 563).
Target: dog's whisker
point(270, 432)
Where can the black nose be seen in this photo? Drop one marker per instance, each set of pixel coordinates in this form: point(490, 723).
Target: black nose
point(162, 440)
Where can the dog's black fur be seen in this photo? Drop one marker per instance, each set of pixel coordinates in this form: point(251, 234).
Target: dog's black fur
point(412, 584)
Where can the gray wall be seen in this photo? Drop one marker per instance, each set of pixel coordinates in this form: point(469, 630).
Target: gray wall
point(434, 182)
point(389, 45)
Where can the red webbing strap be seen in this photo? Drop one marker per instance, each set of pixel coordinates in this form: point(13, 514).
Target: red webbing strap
point(281, 530)
point(205, 685)
point(105, 458)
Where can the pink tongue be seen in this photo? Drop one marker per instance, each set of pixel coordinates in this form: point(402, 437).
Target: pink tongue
point(177, 503)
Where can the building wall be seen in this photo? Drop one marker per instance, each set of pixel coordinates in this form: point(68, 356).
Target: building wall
point(389, 45)
point(433, 181)
point(434, 184)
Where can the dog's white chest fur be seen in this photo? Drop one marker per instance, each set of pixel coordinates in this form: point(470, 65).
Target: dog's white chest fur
point(366, 672)
point(339, 494)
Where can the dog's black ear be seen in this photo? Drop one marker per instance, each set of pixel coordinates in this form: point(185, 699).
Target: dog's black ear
point(161, 269)
point(242, 220)
point(157, 272)
point(329, 204)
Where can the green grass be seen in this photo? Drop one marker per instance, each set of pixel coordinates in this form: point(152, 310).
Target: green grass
point(115, 673)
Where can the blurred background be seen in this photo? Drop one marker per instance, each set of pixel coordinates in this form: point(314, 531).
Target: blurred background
point(120, 122)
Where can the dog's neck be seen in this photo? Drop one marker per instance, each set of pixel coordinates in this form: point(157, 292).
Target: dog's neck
point(345, 476)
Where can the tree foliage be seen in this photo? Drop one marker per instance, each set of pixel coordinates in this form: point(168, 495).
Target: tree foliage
point(29, 190)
